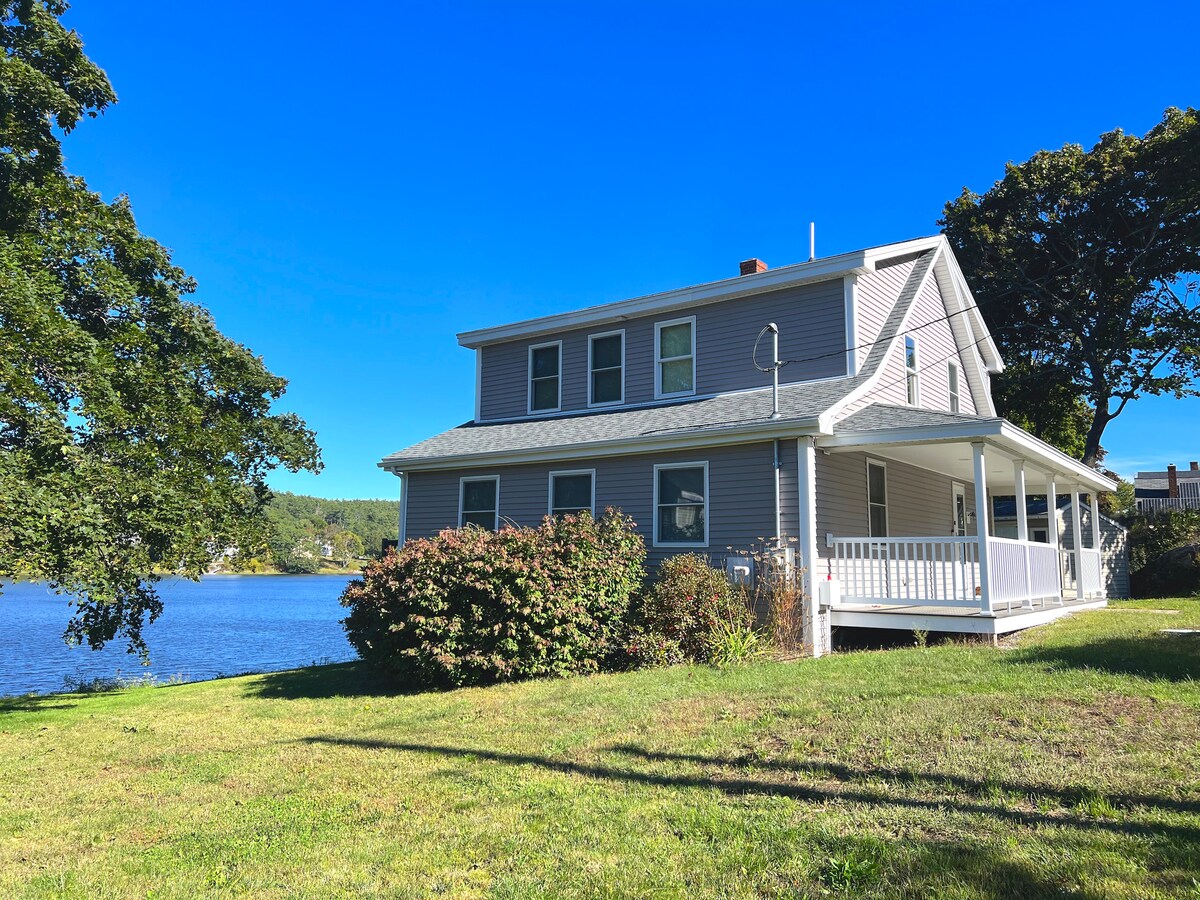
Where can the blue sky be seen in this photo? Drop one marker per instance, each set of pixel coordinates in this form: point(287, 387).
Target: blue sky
point(353, 185)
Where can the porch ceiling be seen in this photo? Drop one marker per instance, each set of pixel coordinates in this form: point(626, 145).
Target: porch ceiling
point(951, 454)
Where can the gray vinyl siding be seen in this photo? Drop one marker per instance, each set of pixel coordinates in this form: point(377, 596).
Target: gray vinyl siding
point(740, 508)
point(811, 319)
point(876, 295)
point(936, 347)
point(919, 502)
point(1114, 546)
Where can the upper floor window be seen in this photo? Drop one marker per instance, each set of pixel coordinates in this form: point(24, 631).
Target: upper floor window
point(545, 377)
point(877, 511)
point(479, 502)
point(952, 387)
point(680, 505)
point(606, 368)
point(675, 357)
point(911, 370)
point(573, 492)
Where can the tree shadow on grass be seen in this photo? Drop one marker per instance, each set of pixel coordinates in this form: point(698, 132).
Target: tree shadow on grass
point(856, 786)
point(34, 703)
point(1173, 657)
point(916, 863)
point(352, 679)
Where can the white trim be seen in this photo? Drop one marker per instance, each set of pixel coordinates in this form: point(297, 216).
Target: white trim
point(957, 489)
point(912, 374)
point(707, 506)
point(550, 487)
point(954, 386)
point(529, 379)
point(592, 404)
point(850, 295)
point(887, 523)
point(709, 437)
point(478, 384)
point(462, 494)
point(806, 479)
point(659, 360)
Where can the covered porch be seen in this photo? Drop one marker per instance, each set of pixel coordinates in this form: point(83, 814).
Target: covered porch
point(964, 579)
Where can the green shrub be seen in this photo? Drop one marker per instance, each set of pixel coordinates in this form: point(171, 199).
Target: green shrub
point(680, 612)
point(1151, 534)
point(733, 645)
point(473, 607)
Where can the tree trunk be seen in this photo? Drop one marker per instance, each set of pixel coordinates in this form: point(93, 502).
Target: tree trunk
point(1091, 449)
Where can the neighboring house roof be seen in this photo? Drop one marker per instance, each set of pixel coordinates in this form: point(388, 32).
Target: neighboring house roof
point(1005, 509)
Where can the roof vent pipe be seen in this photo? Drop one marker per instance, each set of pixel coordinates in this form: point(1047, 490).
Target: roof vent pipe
point(812, 241)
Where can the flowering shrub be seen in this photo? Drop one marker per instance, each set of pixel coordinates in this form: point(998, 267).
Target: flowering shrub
point(473, 606)
point(679, 614)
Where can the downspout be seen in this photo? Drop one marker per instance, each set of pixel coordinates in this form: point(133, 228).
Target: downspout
point(779, 543)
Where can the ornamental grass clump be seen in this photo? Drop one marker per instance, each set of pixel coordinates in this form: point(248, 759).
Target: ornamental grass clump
point(680, 613)
point(475, 607)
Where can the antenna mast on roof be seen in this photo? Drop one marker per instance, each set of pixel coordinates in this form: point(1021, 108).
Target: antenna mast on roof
point(812, 241)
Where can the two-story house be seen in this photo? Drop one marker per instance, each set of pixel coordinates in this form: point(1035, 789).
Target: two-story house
point(873, 455)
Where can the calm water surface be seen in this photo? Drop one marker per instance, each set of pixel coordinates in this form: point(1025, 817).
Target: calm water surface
point(223, 625)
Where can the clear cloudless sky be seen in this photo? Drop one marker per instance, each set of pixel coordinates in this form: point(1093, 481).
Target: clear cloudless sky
point(353, 184)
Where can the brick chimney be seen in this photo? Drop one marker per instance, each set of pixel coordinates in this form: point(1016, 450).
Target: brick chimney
point(1195, 466)
point(752, 266)
point(1172, 482)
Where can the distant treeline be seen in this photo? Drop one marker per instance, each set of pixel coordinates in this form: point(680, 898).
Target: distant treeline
point(305, 530)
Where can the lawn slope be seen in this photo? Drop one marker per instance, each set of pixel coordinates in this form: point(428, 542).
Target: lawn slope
point(1066, 765)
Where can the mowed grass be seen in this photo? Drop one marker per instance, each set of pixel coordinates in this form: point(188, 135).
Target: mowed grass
point(1066, 764)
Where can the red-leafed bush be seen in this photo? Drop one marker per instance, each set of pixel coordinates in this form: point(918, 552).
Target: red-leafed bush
point(473, 606)
point(680, 613)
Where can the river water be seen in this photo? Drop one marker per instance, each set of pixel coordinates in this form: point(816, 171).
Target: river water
point(221, 625)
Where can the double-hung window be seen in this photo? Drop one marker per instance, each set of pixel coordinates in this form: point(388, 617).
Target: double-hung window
point(479, 502)
point(675, 357)
point(573, 492)
point(606, 368)
point(545, 377)
point(952, 387)
point(681, 505)
point(911, 370)
point(877, 511)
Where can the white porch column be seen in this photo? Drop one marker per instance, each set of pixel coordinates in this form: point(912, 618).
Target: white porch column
point(807, 484)
point(1052, 535)
point(1023, 527)
point(1022, 505)
point(1077, 538)
point(981, 526)
point(1096, 543)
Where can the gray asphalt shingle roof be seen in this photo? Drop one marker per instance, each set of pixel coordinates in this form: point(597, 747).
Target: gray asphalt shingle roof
point(885, 416)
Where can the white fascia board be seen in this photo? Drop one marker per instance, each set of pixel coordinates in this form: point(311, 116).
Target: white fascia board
point(987, 347)
point(713, 437)
point(964, 326)
point(681, 298)
point(1056, 460)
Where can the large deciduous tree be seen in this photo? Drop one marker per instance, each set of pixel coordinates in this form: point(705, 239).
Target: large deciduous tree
point(1083, 263)
point(134, 437)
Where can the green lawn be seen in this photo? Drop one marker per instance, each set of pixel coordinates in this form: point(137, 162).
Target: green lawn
point(1067, 764)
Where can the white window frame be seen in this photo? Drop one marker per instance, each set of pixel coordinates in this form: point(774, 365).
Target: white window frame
point(654, 541)
point(550, 488)
point(912, 375)
point(462, 493)
point(954, 386)
point(590, 371)
point(529, 379)
point(659, 360)
point(887, 523)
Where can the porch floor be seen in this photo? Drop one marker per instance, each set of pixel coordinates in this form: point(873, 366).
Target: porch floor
point(935, 618)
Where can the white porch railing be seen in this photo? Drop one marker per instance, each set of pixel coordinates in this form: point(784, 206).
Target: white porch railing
point(1084, 577)
point(1158, 504)
point(1022, 572)
point(932, 571)
point(944, 571)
